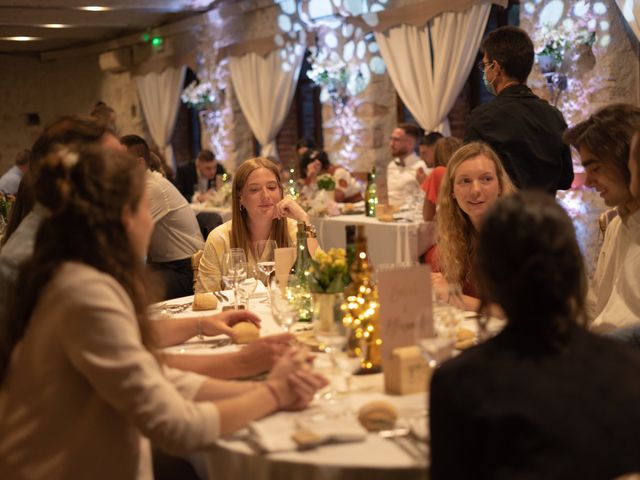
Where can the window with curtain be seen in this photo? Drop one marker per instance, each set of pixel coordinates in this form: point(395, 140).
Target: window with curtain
point(304, 119)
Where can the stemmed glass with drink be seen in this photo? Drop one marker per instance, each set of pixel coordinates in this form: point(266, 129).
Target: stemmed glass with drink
point(265, 257)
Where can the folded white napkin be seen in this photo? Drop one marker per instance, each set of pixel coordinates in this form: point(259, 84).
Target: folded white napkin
point(279, 433)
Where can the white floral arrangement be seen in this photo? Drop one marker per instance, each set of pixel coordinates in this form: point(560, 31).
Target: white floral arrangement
point(337, 79)
point(555, 42)
point(198, 95)
point(321, 203)
point(221, 197)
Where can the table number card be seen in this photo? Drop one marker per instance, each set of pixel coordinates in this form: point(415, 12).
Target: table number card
point(405, 307)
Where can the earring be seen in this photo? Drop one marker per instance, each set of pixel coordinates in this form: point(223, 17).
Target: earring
point(242, 208)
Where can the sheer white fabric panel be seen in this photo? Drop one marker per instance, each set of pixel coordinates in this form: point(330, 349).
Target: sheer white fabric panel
point(631, 12)
point(265, 87)
point(429, 92)
point(160, 97)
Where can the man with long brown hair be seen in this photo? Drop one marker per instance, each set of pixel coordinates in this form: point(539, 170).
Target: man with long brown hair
point(603, 141)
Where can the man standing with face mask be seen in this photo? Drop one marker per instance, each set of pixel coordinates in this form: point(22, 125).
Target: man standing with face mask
point(523, 129)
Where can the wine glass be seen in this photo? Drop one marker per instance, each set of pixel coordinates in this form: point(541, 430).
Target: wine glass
point(249, 283)
point(435, 343)
point(265, 257)
point(332, 332)
point(283, 306)
point(234, 269)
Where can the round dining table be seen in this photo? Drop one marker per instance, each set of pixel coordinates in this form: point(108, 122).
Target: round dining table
point(239, 456)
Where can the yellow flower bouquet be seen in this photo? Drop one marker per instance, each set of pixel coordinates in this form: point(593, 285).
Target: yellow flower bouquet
point(329, 272)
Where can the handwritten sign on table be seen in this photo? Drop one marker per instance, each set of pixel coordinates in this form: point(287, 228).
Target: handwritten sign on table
point(405, 306)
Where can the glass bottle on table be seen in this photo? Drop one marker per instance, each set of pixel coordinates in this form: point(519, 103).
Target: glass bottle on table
point(299, 274)
point(370, 195)
point(362, 310)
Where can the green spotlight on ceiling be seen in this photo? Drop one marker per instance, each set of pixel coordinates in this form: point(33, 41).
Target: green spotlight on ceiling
point(157, 41)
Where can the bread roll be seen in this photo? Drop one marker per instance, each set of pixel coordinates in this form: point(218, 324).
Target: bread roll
point(378, 415)
point(245, 332)
point(204, 301)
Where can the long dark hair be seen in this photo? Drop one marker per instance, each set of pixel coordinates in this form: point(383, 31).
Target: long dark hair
point(87, 190)
point(529, 263)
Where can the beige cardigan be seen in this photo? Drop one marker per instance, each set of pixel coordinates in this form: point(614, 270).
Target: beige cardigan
point(81, 389)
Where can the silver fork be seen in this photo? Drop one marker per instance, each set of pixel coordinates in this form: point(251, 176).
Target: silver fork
point(220, 296)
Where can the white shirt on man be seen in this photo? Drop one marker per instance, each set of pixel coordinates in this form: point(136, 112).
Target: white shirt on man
point(402, 185)
point(615, 288)
point(176, 234)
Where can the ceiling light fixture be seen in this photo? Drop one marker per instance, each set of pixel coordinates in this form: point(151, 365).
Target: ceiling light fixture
point(95, 8)
point(54, 25)
point(20, 39)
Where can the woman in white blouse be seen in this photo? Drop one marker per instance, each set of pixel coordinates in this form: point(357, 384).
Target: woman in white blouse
point(81, 389)
point(260, 211)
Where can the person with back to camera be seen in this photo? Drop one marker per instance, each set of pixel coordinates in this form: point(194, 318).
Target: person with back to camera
point(81, 391)
point(545, 398)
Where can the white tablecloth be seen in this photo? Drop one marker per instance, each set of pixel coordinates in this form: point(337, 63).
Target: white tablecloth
point(387, 242)
point(374, 459)
point(225, 212)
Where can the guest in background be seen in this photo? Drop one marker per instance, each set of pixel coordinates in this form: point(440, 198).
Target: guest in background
point(603, 141)
point(157, 164)
point(304, 144)
point(196, 180)
point(524, 130)
point(78, 357)
point(442, 152)
point(176, 236)
point(316, 163)
point(475, 178)
point(105, 114)
point(402, 172)
point(544, 398)
point(10, 181)
point(427, 149)
point(260, 211)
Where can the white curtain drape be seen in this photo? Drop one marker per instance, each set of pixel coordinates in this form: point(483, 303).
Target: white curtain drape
point(429, 84)
point(631, 12)
point(160, 97)
point(265, 87)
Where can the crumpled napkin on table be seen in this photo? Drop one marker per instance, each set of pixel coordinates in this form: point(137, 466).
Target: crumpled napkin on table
point(275, 435)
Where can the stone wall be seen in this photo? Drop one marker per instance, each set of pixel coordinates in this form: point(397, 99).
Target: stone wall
point(51, 89)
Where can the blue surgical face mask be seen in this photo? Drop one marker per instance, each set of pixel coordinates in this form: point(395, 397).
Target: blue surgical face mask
point(488, 85)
